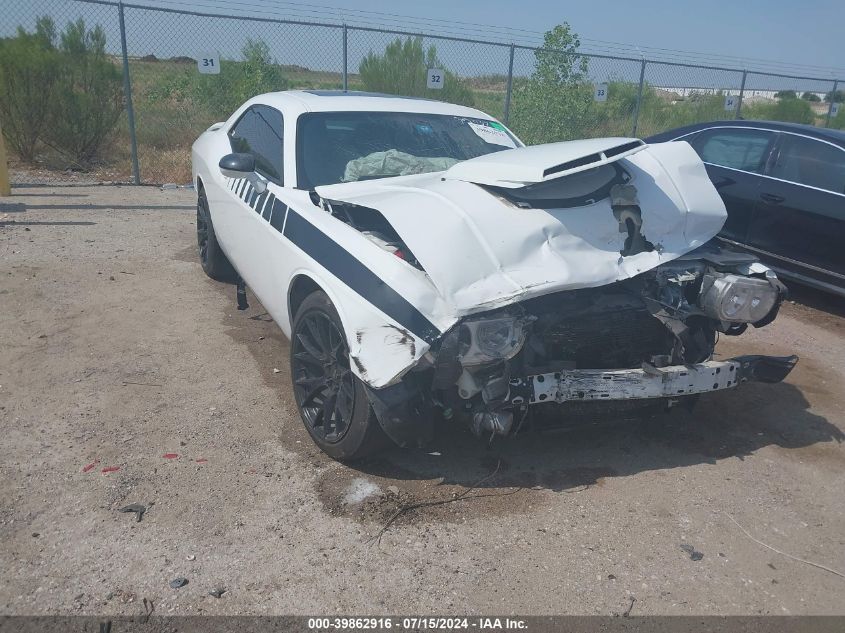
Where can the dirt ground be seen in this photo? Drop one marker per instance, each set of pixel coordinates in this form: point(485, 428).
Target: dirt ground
point(127, 376)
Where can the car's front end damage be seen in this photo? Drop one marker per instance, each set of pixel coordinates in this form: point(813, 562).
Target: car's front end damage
point(574, 282)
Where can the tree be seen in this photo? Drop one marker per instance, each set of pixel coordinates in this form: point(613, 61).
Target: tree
point(28, 72)
point(238, 81)
point(837, 96)
point(402, 70)
point(553, 104)
point(786, 94)
point(810, 96)
point(88, 96)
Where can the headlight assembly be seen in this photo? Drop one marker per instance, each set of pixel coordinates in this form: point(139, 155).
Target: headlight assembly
point(492, 339)
point(738, 299)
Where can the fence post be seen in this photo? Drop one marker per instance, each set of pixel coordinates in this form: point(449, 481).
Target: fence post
point(832, 101)
point(5, 187)
point(345, 62)
point(509, 88)
point(639, 99)
point(741, 94)
point(127, 91)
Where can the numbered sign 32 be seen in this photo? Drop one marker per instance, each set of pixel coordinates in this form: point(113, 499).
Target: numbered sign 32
point(730, 103)
point(600, 92)
point(209, 64)
point(435, 78)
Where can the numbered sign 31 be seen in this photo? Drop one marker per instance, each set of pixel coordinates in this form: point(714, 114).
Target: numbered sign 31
point(435, 78)
point(730, 103)
point(600, 92)
point(209, 64)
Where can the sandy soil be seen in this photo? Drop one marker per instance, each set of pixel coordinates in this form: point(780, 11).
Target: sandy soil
point(126, 376)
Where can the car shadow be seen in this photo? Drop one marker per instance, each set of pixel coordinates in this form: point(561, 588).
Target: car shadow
point(817, 299)
point(723, 426)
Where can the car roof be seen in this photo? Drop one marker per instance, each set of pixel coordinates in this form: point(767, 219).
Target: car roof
point(352, 101)
point(827, 134)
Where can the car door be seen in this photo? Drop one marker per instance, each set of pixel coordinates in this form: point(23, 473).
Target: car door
point(259, 131)
point(735, 158)
point(801, 217)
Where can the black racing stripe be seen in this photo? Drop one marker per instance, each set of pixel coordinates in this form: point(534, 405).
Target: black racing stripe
point(259, 201)
point(240, 187)
point(277, 220)
point(251, 198)
point(343, 265)
point(247, 193)
point(268, 205)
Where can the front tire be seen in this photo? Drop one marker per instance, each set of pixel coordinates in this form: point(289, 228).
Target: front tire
point(214, 262)
point(332, 401)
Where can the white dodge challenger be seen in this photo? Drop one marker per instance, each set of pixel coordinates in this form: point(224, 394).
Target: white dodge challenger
point(424, 263)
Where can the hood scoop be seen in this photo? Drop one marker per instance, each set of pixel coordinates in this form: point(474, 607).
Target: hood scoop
point(523, 166)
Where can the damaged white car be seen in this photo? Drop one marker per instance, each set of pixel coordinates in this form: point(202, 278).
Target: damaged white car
point(423, 263)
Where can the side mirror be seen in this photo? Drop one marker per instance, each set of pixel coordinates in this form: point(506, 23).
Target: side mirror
point(239, 165)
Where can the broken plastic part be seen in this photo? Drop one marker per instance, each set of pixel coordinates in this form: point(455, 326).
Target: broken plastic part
point(766, 368)
point(627, 212)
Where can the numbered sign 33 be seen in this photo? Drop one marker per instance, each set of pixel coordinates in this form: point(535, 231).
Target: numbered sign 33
point(209, 64)
point(600, 92)
point(730, 103)
point(435, 79)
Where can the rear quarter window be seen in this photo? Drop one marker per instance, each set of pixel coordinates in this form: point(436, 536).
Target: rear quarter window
point(810, 162)
point(742, 149)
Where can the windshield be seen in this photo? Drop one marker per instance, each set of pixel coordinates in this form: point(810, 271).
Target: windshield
point(335, 147)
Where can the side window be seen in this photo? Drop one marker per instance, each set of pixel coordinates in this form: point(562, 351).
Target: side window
point(810, 162)
point(259, 132)
point(735, 148)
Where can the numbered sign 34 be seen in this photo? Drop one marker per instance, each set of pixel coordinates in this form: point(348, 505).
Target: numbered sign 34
point(600, 92)
point(435, 78)
point(209, 63)
point(730, 103)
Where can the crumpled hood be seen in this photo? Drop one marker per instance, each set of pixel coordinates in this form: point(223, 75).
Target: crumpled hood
point(481, 251)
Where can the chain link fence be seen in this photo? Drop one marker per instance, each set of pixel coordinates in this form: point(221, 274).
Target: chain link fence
point(543, 95)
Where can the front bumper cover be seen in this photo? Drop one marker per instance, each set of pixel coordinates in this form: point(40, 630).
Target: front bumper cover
point(648, 382)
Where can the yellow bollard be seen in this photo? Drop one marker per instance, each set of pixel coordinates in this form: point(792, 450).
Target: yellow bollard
point(5, 187)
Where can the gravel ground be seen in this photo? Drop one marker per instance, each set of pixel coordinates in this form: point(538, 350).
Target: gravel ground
point(129, 377)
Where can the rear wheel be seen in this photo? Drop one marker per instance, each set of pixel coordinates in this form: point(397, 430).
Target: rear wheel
point(214, 262)
point(332, 401)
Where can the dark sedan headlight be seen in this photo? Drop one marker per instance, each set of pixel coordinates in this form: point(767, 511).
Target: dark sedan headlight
point(491, 339)
point(738, 299)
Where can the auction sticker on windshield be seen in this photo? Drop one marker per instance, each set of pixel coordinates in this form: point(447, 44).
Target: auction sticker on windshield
point(492, 133)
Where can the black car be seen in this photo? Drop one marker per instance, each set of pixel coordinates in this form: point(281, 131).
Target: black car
point(784, 188)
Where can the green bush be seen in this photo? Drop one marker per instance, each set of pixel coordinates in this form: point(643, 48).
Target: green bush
point(240, 81)
point(28, 71)
point(838, 122)
point(88, 96)
point(68, 95)
point(222, 94)
point(787, 110)
point(402, 70)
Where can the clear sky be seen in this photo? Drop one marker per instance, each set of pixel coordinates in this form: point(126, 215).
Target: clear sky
point(799, 38)
point(807, 32)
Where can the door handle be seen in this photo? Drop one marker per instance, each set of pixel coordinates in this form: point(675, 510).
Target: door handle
point(773, 198)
